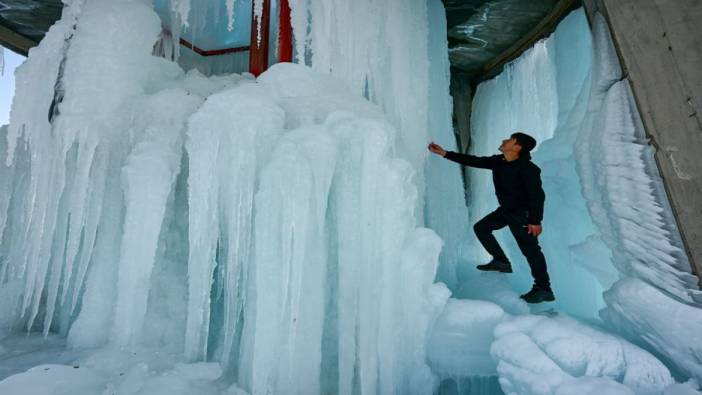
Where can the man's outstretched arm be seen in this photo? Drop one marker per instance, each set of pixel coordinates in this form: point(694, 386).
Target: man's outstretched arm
point(483, 162)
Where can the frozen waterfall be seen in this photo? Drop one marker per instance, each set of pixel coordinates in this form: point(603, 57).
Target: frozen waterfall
point(168, 232)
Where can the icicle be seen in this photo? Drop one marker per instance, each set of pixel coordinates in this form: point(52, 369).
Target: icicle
point(2, 60)
point(148, 178)
point(258, 14)
point(181, 8)
point(299, 16)
point(230, 14)
point(226, 141)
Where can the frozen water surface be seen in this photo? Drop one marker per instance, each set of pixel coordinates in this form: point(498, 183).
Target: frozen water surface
point(168, 232)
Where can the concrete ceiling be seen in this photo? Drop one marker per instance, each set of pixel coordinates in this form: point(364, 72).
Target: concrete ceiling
point(482, 34)
point(23, 23)
point(481, 30)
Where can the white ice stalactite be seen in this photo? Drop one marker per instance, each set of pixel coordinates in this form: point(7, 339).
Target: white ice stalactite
point(146, 194)
point(445, 207)
point(291, 262)
point(227, 140)
point(230, 14)
point(258, 17)
point(181, 9)
point(2, 60)
point(30, 123)
point(299, 18)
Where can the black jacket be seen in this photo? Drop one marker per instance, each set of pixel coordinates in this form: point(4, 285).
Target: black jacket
point(517, 183)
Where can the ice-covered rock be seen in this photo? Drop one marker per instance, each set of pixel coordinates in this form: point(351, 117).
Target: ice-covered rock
point(542, 355)
point(670, 327)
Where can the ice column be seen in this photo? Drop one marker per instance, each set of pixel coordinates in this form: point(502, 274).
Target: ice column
point(148, 177)
point(445, 208)
point(228, 139)
point(291, 263)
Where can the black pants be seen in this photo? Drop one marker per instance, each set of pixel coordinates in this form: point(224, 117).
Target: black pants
point(528, 244)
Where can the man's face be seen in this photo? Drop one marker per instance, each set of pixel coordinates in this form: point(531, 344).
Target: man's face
point(510, 145)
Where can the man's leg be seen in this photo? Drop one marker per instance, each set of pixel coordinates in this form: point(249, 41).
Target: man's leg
point(529, 245)
point(484, 228)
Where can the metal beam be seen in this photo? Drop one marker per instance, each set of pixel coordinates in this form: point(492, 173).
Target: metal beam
point(285, 49)
point(15, 42)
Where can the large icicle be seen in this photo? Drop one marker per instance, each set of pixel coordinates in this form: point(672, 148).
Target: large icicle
point(445, 207)
point(230, 14)
point(227, 141)
point(291, 263)
point(148, 178)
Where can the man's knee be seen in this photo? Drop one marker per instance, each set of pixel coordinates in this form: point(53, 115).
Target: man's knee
point(480, 228)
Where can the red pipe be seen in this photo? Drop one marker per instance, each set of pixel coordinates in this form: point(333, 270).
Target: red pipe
point(258, 57)
point(285, 49)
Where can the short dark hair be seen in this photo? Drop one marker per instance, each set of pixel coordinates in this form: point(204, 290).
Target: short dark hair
point(525, 141)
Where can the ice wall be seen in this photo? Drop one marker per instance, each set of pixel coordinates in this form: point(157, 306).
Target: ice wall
point(607, 225)
point(386, 61)
point(445, 208)
point(269, 225)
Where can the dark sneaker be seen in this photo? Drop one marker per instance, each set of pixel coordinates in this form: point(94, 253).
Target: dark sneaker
point(538, 295)
point(496, 265)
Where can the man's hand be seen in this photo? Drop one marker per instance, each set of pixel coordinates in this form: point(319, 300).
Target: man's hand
point(436, 148)
point(534, 230)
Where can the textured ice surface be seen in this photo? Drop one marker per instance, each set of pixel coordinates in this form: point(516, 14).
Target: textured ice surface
point(475, 340)
point(672, 328)
point(539, 355)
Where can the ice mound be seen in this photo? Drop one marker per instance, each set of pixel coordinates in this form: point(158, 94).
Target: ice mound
point(542, 355)
point(461, 338)
point(54, 380)
point(118, 372)
point(669, 326)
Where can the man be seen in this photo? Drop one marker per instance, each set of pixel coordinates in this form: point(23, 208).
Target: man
point(518, 188)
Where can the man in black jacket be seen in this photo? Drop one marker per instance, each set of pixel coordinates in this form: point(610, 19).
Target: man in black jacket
point(518, 188)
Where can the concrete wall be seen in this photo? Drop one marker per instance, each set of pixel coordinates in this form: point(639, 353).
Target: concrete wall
point(660, 46)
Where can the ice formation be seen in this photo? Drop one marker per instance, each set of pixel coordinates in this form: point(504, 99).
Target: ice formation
point(179, 233)
point(268, 225)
